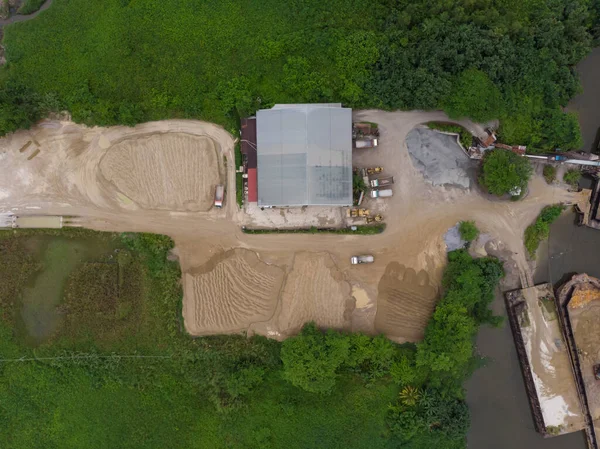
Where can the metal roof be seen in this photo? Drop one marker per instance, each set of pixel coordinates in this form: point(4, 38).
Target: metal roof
point(304, 155)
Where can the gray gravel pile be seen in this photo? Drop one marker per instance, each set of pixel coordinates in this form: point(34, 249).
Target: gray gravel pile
point(439, 157)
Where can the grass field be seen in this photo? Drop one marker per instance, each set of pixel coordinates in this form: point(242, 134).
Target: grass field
point(186, 58)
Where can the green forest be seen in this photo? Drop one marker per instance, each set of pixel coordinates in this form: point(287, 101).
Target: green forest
point(127, 61)
point(129, 377)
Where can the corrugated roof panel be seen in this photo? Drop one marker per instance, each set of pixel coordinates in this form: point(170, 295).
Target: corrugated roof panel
point(314, 145)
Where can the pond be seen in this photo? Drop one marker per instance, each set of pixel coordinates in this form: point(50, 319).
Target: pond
point(39, 315)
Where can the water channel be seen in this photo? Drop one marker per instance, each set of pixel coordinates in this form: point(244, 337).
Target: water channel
point(500, 413)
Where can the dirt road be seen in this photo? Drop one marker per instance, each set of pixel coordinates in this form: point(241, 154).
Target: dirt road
point(57, 168)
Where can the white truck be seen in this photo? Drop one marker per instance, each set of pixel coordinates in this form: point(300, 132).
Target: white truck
point(355, 260)
point(384, 193)
point(219, 195)
point(382, 182)
point(365, 143)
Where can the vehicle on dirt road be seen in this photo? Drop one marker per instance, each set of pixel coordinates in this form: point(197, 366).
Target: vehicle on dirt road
point(374, 170)
point(365, 143)
point(377, 219)
point(355, 260)
point(384, 193)
point(353, 213)
point(219, 195)
point(381, 182)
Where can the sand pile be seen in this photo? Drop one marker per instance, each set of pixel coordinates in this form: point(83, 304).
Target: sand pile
point(439, 157)
point(171, 171)
point(315, 291)
point(405, 302)
point(230, 293)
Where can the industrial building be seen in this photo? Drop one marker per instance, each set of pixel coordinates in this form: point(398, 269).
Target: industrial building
point(303, 155)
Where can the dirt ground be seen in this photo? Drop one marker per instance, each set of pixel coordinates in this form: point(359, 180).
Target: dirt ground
point(232, 292)
point(405, 302)
point(164, 171)
point(68, 176)
point(315, 290)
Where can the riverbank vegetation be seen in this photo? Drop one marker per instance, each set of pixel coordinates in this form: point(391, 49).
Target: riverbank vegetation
point(505, 172)
point(549, 173)
point(123, 382)
point(572, 177)
point(540, 230)
point(125, 62)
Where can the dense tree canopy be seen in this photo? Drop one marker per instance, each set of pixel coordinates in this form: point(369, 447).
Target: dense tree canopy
point(473, 95)
point(121, 61)
point(505, 172)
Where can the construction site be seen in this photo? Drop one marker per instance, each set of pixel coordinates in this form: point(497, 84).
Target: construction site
point(558, 344)
point(164, 177)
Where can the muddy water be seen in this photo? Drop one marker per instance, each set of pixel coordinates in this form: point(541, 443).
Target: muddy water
point(587, 104)
point(570, 249)
point(59, 256)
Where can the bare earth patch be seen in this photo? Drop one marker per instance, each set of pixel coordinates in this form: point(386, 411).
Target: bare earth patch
point(230, 293)
point(406, 301)
point(171, 171)
point(315, 291)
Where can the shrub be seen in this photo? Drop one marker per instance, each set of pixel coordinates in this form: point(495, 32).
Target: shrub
point(468, 230)
point(464, 135)
point(540, 230)
point(549, 173)
point(572, 177)
point(503, 171)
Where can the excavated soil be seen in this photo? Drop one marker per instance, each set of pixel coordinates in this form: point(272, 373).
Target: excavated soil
point(230, 293)
point(315, 290)
point(406, 301)
point(171, 171)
